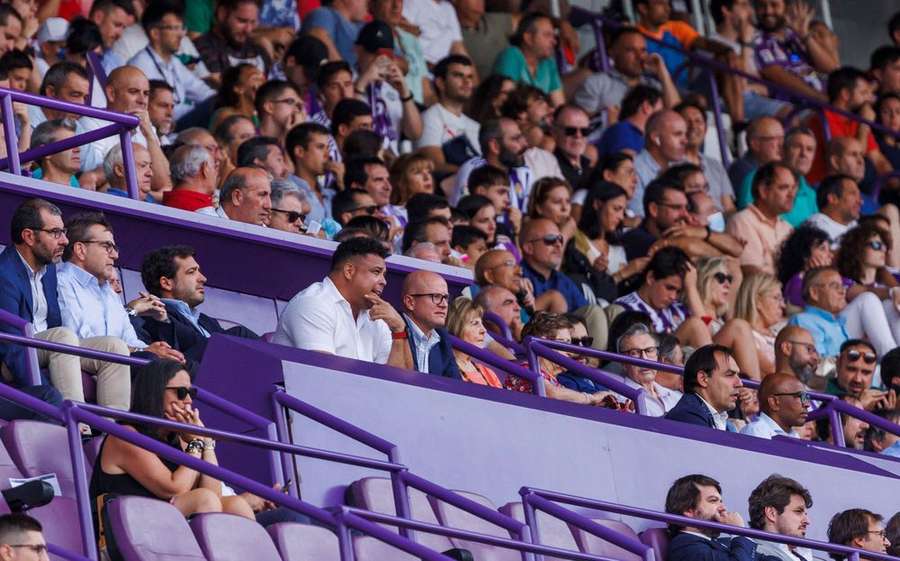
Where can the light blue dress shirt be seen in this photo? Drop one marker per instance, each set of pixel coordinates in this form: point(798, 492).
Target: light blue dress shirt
point(190, 314)
point(828, 330)
point(91, 309)
point(422, 344)
point(189, 89)
point(764, 427)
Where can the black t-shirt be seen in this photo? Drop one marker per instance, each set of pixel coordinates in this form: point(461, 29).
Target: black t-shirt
point(637, 242)
point(577, 177)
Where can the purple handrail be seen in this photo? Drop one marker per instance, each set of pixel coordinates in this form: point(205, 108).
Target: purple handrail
point(489, 358)
point(501, 332)
point(528, 493)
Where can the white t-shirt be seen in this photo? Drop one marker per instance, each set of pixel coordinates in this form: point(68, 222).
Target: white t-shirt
point(319, 318)
point(440, 125)
point(439, 25)
point(834, 229)
point(93, 154)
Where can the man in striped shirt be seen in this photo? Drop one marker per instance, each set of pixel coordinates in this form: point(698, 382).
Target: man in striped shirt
point(658, 296)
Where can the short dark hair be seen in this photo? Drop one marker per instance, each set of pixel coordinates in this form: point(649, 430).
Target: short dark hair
point(107, 6)
point(856, 342)
point(684, 494)
point(57, 75)
point(894, 24)
point(715, 10)
point(470, 205)
point(310, 53)
point(667, 262)
point(890, 367)
point(13, 60)
point(28, 217)
point(357, 247)
point(344, 201)
point(301, 135)
point(656, 190)
point(148, 388)
point(223, 133)
point(355, 170)
point(636, 97)
point(443, 65)
point(329, 69)
point(161, 263)
point(848, 525)
point(892, 531)
point(156, 85)
point(420, 205)
point(844, 78)
point(346, 110)
point(256, 148)
point(7, 10)
point(766, 175)
point(362, 143)
point(84, 36)
point(775, 491)
point(526, 25)
point(487, 176)
point(269, 91)
point(373, 226)
point(831, 185)
point(418, 231)
point(157, 10)
point(15, 523)
point(702, 360)
point(884, 56)
point(463, 236)
point(77, 227)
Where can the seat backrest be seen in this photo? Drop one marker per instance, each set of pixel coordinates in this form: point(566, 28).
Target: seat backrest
point(367, 548)
point(376, 494)
point(58, 517)
point(589, 543)
point(151, 530)
point(38, 448)
point(453, 517)
point(229, 537)
point(304, 542)
point(658, 539)
point(8, 467)
point(552, 531)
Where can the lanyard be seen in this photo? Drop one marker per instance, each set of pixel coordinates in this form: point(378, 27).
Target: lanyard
point(159, 69)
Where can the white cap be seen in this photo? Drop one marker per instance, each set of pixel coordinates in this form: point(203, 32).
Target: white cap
point(53, 29)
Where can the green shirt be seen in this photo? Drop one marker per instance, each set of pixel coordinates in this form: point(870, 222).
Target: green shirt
point(511, 63)
point(804, 205)
point(198, 15)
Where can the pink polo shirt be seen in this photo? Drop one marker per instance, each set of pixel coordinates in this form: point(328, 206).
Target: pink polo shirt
point(763, 237)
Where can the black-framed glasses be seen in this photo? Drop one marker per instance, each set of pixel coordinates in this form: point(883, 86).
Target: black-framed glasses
point(368, 209)
point(880, 533)
point(573, 131)
point(585, 341)
point(110, 247)
point(673, 206)
point(549, 239)
point(853, 355)
point(183, 391)
point(437, 298)
point(292, 215)
point(803, 396)
point(876, 245)
point(649, 352)
point(54, 233)
point(722, 278)
point(38, 548)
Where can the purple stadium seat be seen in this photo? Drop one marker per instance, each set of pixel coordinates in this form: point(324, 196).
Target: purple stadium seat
point(59, 519)
point(151, 530)
point(590, 543)
point(553, 531)
point(38, 448)
point(304, 542)
point(229, 537)
point(8, 467)
point(370, 549)
point(453, 517)
point(658, 539)
point(375, 494)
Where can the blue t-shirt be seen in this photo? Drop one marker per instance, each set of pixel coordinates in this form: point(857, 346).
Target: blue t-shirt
point(621, 136)
point(342, 31)
point(557, 281)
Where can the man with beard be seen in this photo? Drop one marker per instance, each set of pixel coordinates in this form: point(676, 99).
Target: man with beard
point(700, 497)
point(711, 386)
point(785, 51)
point(445, 121)
point(665, 140)
point(344, 314)
point(780, 505)
point(229, 42)
point(782, 404)
point(503, 146)
point(425, 304)
point(848, 90)
point(796, 354)
point(173, 275)
point(853, 377)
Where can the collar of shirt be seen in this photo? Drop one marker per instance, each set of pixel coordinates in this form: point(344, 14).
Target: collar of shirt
point(646, 159)
point(776, 428)
point(530, 270)
point(419, 338)
point(698, 534)
point(823, 314)
point(762, 217)
point(36, 275)
point(721, 419)
point(191, 314)
point(339, 299)
point(220, 211)
point(83, 277)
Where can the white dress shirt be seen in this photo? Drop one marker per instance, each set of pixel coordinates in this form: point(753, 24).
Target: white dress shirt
point(91, 309)
point(764, 427)
point(720, 419)
point(319, 318)
point(93, 154)
point(656, 407)
point(189, 89)
point(38, 298)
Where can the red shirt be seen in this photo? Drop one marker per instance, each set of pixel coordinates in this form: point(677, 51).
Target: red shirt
point(187, 200)
point(840, 127)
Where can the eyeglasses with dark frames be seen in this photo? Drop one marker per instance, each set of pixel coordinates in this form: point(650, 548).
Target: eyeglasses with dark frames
point(110, 247)
point(803, 396)
point(437, 298)
point(54, 233)
point(585, 341)
point(572, 131)
point(292, 215)
point(37, 548)
point(183, 391)
point(722, 278)
point(649, 352)
point(549, 239)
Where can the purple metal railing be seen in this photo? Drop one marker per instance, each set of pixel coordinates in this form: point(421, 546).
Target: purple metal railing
point(491, 359)
point(501, 332)
point(539, 498)
point(122, 125)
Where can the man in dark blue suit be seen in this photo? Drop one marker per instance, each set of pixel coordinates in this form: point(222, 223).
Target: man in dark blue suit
point(173, 274)
point(711, 384)
point(698, 496)
point(425, 304)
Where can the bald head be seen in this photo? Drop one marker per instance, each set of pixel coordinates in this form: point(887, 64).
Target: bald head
point(417, 280)
point(127, 90)
point(765, 139)
point(425, 299)
point(500, 301)
point(666, 135)
point(781, 397)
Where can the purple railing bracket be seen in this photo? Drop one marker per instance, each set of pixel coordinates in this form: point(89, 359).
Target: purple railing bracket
point(9, 135)
point(489, 358)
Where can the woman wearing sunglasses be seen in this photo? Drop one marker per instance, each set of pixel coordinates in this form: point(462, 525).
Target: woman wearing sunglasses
point(163, 389)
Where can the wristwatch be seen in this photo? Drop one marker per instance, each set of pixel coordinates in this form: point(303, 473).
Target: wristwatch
point(131, 311)
point(196, 445)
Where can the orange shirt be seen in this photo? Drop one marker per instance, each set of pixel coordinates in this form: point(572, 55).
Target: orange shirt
point(840, 127)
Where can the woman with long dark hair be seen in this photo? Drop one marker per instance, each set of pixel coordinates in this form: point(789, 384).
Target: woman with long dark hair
point(806, 248)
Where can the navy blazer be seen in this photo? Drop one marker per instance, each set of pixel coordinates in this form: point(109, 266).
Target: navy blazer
point(15, 298)
point(691, 409)
point(441, 361)
point(688, 547)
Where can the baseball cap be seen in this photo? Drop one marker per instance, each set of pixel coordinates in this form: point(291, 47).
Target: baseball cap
point(53, 29)
point(375, 36)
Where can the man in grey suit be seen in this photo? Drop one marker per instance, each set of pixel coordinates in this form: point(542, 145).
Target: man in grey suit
point(780, 505)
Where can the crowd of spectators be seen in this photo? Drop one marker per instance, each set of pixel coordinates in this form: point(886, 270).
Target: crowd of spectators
point(593, 208)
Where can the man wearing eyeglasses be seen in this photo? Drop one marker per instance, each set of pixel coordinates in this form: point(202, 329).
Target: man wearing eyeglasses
point(796, 354)
point(350, 203)
point(859, 528)
point(425, 305)
point(783, 404)
point(853, 376)
point(21, 538)
point(639, 342)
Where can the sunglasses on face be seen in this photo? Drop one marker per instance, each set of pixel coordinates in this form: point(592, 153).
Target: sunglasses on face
point(370, 209)
point(722, 278)
point(550, 239)
point(575, 131)
point(876, 245)
point(292, 215)
point(853, 355)
point(585, 341)
point(802, 396)
point(183, 391)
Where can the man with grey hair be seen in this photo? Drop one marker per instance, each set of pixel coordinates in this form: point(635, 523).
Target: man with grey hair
point(194, 176)
point(196, 136)
point(639, 342)
point(246, 196)
point(60, 167)
point(289, 207)
point(114, 169)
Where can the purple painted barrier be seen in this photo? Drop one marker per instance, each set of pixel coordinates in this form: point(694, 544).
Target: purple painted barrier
point(491, 359)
